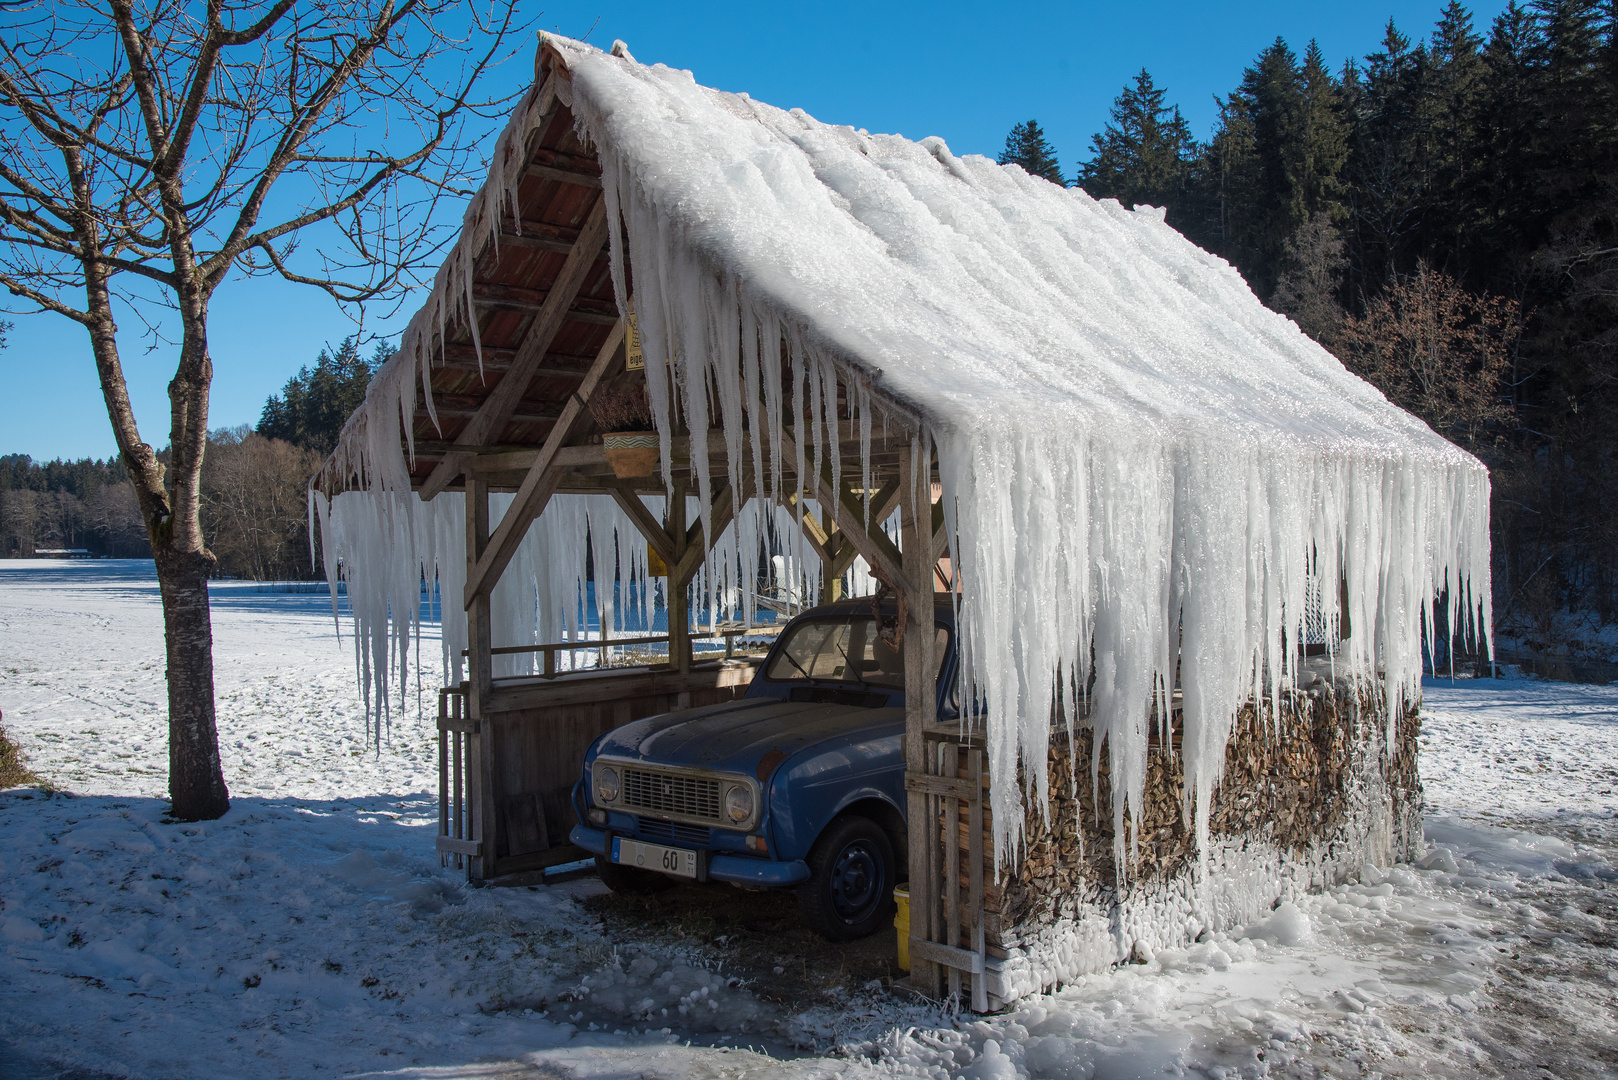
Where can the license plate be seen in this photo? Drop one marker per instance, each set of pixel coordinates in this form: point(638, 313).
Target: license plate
point(680, 862)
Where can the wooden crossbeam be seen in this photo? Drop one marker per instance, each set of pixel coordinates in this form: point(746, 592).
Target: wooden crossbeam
point(503, 399)
point(544, 241)
point(464, 406)
point(544, 371)
point(541, 480)
point(528, 301)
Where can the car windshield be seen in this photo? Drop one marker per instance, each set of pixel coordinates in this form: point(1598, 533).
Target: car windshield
point(843, 650)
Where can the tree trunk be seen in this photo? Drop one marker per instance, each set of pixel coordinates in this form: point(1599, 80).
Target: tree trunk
point(196, 780)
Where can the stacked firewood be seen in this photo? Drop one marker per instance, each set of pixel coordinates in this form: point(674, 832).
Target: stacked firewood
point(1289, 781)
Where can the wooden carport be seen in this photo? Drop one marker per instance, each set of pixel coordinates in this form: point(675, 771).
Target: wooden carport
point(507, 411)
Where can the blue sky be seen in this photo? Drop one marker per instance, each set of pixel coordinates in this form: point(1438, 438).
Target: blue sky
point(966, 72)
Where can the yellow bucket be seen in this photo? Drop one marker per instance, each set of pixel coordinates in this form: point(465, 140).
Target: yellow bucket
point(901, 923)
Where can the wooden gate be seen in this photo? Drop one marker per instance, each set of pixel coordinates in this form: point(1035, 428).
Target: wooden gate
point(950, 931)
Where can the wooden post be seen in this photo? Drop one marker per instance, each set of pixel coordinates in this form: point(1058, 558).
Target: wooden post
point(480, 679)
point(921, 696)
point(831, 578)
point(678, 609)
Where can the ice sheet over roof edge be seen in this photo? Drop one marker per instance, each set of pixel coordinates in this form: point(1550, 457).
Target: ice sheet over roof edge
point(1131, 444)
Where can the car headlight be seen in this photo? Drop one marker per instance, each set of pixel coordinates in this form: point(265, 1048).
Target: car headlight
point(739, 804)
point(607, 784)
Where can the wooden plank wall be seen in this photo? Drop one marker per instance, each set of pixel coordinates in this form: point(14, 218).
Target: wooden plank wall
point(537, 736)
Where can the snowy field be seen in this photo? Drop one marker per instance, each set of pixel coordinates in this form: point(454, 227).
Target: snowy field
point(311, 932)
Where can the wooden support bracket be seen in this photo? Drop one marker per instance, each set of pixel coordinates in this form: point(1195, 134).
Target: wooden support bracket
point(540, 482)
point(849, 513)
point(697, 546)
point(650, 528)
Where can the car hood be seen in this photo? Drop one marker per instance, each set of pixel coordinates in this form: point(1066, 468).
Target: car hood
point(753, 735)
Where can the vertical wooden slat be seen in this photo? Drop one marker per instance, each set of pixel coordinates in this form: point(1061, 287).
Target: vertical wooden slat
point(459, 816)
point(952, 863)
point(443, 771)
point(974, 857)
point(676, 601)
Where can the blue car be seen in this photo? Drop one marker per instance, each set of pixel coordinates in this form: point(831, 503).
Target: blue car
point(798, 784)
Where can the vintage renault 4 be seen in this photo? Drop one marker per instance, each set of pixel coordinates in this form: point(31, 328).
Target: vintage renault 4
point(798, 784)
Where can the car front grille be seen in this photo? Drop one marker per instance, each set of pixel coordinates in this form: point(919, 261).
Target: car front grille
point(672, 831)
point(664, 793)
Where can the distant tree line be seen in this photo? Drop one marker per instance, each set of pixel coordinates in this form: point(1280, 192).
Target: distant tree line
point(254, 483)
point(69, 504)
point(1442, 215)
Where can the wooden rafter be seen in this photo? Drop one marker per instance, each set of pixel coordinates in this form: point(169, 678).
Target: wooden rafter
point(502, 400)
point(696, 545)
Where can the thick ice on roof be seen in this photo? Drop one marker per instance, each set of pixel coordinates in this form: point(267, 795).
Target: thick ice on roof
point(1143, 466)
point(1146, 472)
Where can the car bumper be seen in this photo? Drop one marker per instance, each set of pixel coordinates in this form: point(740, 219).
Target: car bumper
point(735, 868)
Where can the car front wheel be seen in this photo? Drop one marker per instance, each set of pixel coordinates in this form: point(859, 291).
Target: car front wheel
point(850, 886)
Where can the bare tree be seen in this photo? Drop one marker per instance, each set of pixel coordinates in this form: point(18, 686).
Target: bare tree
point(1440, 352)
point(253, 504)
point(149, 149)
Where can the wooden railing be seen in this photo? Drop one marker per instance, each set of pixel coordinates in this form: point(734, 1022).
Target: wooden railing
point(729, 633)
point(459, 773)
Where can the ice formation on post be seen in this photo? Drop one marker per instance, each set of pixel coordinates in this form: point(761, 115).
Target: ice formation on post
point(1149, 479)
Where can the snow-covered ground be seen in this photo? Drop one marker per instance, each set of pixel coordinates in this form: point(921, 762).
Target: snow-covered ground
point(311, 932)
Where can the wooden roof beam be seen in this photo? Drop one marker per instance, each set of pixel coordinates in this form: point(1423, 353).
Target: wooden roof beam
point(502, 400)
point(567, 174)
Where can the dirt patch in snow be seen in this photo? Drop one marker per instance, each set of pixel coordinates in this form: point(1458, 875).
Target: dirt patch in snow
point(757, 936)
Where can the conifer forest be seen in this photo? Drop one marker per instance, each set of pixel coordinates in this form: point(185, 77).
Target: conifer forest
point(1441, 214)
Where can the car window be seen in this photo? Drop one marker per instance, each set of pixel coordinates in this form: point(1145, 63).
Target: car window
point(843, 650)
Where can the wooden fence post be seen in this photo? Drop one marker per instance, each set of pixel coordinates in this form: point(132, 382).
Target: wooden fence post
point(480, 679)
point(921, 692)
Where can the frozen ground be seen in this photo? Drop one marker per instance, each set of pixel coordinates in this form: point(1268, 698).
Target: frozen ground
point(310, 932)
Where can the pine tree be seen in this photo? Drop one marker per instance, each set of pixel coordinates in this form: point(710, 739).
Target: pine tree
point(1144, 155)
point(1388, 169)
point(1028, 147)
point(311, 409)
point(1447, 100)
point(1322, 133)
point(1280, 151)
